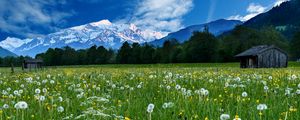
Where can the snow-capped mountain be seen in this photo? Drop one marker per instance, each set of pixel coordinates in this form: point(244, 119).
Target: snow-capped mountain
point(99, 33)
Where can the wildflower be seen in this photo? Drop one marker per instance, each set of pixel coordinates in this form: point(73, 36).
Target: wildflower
point(238, 79)
point(294, 77)
point(80, 95)
point(5, 106)
point(226, 84)
point(60, 109)
point(264, 83)
point(60, 99)
point(177, 87)
point(48, 76)
point(52, 81)
point(38, 83)
point(261, 107)
point(37, 91)
point(44, 90)
point(139, 86)
point(292, 109)
point(167, 105)
point(16, 92)
point(237, 117)
point(225, 117)
point(266, 88)
point(197, 92)
point(287, 92)
point(168, 87)
point(298, 92)
point(98, 88)
point(131, 88)
point(122, 88)
point(150, 108)
point(44, 81)
point(42, 98)
point(244, 94)
point(113, 86)
point(21, 91)
point(127, 118)
point(204, 92)
point(8, 89)
point(270, 77)
point(21, 105)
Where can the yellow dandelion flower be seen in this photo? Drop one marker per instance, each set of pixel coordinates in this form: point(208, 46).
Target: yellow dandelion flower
point(127, 118)
point(260, 113)
point(206, 118)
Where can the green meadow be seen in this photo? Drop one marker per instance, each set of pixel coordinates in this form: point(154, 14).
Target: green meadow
point(157, 92)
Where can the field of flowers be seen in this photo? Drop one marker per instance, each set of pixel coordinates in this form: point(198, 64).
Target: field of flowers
point(179, 92)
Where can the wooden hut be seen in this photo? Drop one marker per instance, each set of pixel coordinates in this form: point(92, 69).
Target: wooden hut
point(33, 64)
point(263, 56)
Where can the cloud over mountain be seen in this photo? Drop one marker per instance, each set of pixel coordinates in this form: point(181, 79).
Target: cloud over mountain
point(161, 15)
point(252, 10)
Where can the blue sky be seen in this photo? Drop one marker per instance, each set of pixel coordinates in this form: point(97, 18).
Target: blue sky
point(31, 18)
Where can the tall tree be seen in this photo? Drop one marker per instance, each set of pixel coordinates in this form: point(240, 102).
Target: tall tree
point(202, 47)
point(92, 54)
point(124, 53)
point(295, 47)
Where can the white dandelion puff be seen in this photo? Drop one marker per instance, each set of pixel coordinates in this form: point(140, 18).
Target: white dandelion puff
point(168, 105)
point(5, 106)
point(60, 109)
point(261, 107)
point(21, 105)
point(42, 98)
point(244, 94)
point(177, 87)
point(37, 91)
point(224, 116)
point(150, 108)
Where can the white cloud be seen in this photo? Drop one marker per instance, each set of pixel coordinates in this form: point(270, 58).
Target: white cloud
point(256, 9)
point(252, 10)
point(279, 2)
point(18, 16)
point(160, 15)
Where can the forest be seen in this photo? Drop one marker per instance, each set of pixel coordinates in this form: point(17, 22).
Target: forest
point(202, 47)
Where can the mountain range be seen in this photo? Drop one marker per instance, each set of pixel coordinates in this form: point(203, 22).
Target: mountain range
point(99, 33)
point(215, 27)
point(107, 34)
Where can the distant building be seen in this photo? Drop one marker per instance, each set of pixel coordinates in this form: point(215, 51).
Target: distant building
point(33, 64)
point(263, 56)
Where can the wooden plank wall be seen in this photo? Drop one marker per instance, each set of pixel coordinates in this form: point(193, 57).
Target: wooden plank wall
point(272, 58)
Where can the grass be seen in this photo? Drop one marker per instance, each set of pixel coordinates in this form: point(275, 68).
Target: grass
point(178, 91)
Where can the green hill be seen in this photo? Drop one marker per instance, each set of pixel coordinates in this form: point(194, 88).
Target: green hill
point(285, 18)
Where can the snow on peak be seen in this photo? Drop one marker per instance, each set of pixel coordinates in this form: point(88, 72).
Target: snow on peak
point(81, 27)
point(10, 43)
point(102, 22)
point(133, 27)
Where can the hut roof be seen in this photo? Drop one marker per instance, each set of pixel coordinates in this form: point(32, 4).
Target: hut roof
point(257, 50)
point(33, 61)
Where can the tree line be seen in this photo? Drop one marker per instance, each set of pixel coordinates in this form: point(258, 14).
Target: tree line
point(15, 61)
point(202, 47)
